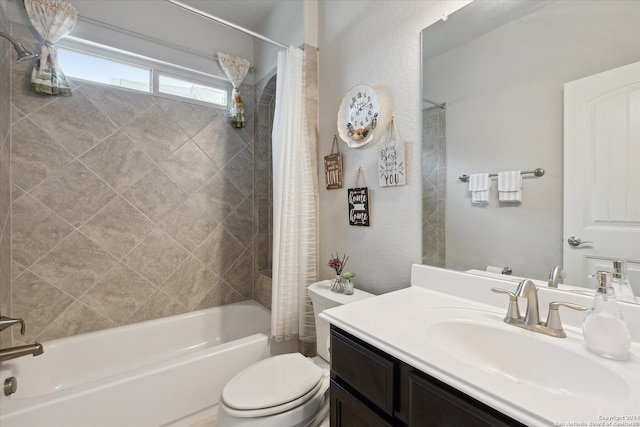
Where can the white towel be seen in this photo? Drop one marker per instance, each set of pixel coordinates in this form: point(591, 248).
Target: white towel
point(510, 186)
point(479, 187)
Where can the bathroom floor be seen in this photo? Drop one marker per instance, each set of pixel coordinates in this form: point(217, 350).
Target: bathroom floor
point(209, 422)
point(213, 422)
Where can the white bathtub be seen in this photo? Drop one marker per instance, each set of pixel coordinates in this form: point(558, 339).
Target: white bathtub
point(162, 372)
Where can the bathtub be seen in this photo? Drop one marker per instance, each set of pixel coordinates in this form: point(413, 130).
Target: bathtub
point(165, 372)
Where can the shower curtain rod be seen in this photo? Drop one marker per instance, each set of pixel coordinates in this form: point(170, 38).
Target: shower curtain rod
point(152, 40)
point(437, 104)
point(226, 23)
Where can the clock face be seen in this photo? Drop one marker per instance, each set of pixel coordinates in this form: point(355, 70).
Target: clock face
point(358, 116)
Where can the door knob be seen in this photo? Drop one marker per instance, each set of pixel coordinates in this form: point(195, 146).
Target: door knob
point(576, 241)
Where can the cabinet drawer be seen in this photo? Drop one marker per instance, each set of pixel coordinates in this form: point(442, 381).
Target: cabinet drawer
point(347, 411)
point(433, 403)
point(364, 370)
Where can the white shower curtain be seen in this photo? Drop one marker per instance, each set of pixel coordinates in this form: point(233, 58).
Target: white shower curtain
point(295, 201)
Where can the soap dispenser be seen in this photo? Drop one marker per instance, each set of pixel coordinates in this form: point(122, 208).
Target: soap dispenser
point(621, 285)
point(605, 331)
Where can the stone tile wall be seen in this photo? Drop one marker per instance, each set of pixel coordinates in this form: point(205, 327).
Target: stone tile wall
point(265, 94)
point(434, 164)
point(125, 207)
point(6, 52)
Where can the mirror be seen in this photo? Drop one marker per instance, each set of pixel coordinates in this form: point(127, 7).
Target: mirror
point(499, 67)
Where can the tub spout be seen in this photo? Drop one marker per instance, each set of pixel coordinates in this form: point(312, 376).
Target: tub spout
point(23, 350)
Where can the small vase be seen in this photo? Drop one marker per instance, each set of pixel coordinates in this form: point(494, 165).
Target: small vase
point(336, 284)
point(348, 287)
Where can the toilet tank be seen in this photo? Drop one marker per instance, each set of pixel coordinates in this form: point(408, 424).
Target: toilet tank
point(322, 298)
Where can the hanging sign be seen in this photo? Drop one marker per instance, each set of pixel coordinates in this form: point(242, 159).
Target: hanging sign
point(391, 160)
point(333, 167)
point(358, 199)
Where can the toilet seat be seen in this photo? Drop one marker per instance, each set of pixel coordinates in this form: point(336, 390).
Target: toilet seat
point(251, 393)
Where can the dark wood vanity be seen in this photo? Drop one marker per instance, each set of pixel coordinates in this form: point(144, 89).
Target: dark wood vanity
point(370, 388)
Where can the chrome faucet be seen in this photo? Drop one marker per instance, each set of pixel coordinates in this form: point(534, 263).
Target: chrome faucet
point(19, 351)
point(531, 320)
point(555, 275)
point(527, 289)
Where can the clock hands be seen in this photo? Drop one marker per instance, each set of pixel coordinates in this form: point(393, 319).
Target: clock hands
point(359, 109)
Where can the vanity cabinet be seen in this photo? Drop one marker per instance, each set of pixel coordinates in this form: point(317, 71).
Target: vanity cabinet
point(370, 388)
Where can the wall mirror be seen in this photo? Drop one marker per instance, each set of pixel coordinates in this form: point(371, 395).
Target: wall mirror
point(499, 68)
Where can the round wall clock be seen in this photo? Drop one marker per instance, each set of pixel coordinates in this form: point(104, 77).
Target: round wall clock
point(358, 116)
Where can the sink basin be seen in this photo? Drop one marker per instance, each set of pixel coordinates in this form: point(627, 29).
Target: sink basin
point(481, 339)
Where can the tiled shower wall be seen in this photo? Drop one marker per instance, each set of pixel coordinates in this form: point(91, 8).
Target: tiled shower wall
point(264, 188)
point(125, 207)
point(434, 164)
point(6, 56)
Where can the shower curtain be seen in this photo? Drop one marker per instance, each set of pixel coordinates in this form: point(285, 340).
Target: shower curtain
point(295, 205)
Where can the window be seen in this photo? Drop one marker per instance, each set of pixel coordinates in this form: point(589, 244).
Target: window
point(189, 89)
point(107, 71)
point(97, 63)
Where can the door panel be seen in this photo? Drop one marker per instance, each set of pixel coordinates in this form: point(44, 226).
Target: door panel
point(602, 173)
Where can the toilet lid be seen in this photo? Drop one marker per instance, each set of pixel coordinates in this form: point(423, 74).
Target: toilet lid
point(272, 382)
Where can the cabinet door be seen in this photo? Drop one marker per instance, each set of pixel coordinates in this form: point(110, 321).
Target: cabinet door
point(434, 404)
point(364, 369)
point(347, 411)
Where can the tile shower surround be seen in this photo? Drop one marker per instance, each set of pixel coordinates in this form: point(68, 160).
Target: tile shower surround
point(5, 183)
point(124, 207)
point(433, 186)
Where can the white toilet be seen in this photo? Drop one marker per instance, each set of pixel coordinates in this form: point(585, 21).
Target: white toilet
point(288, 389)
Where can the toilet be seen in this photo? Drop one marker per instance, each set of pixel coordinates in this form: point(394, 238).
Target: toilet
point(301, 397)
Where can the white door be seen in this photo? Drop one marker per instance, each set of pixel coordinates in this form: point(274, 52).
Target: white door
point(602, 174)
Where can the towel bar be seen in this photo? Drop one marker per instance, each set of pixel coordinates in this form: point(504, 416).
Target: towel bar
point(537, 172)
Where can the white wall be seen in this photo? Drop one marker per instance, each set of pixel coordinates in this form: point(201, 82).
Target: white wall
point(375, 43)
point(285, 24)
point(504, 95)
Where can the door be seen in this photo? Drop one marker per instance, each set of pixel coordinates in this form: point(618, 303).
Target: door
point(602, 174)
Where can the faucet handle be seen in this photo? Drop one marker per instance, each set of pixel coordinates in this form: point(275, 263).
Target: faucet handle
point(553, 320)
point(5, 322)
point(513, 312)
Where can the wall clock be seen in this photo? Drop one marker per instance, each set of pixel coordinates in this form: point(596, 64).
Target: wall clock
point(358, 116)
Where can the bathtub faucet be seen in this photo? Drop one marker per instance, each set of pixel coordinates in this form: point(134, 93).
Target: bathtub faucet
point(19, 351)
point(22, 350)
point(5, 322)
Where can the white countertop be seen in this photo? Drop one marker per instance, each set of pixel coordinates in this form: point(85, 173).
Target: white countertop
point(392, 323)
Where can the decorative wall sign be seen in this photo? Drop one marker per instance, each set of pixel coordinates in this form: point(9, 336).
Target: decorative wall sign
point(358, 206)
point(358, 199)
point(391, 160)
point(333, 167)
